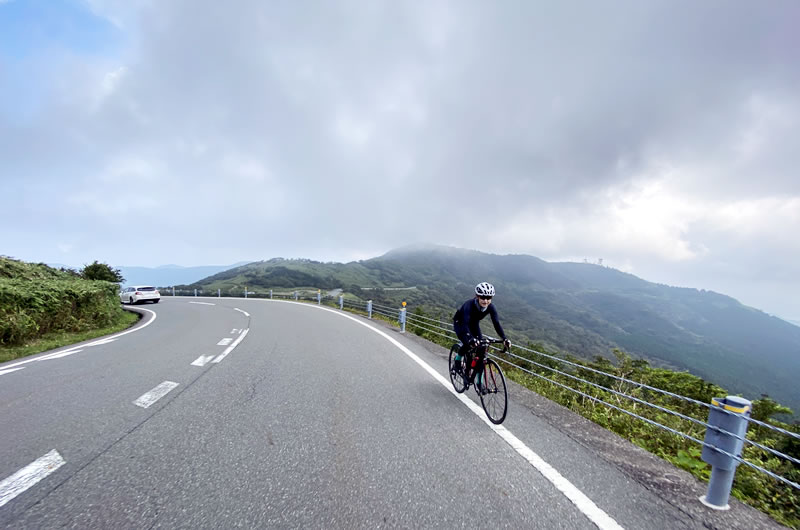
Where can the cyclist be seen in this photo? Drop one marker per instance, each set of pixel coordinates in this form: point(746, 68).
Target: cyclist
point(466, 323)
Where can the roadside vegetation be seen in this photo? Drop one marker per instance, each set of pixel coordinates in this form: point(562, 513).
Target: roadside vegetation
point(42, 308)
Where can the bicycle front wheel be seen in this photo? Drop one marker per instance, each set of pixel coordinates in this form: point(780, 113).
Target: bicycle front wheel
point(493, 392)
point(456, 376)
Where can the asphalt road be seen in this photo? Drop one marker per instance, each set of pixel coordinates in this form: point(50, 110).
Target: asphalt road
point(285, 415)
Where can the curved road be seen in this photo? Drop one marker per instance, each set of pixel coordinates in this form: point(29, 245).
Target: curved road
point(258, 413)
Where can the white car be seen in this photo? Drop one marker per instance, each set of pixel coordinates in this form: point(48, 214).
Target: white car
point(139, 293)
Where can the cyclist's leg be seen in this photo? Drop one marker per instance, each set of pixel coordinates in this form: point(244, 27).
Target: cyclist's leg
point(474, 361)
point(462, 352)
point(477, 368)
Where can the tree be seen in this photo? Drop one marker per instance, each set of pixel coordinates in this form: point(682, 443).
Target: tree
point(101, 271)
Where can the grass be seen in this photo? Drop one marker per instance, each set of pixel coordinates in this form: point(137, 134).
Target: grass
point(56, 340)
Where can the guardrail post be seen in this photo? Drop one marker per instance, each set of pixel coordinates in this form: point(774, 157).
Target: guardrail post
point(341, 302)
point(319, 297)
point(219, 293)
point(723, 467)
point(295, 295)
point(173, 291)
point(402, 318)
point(245, 291)
point(195, 293)
point(369, 308)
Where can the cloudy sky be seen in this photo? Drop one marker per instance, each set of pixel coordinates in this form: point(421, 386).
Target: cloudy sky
point(662, 137)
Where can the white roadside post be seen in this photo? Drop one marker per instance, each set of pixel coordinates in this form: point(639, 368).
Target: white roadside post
point(341, 302)
point(369, 308)
point(319, 297)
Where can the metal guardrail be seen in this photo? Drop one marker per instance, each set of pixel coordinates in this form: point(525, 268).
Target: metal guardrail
point(725, 429)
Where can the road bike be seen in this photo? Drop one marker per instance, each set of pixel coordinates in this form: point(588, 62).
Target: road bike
point(490, 383)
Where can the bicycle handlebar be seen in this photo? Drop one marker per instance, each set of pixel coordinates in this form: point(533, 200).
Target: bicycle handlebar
point(486, 341)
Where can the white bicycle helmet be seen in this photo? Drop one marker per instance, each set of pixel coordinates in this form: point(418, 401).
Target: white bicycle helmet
point(484, 289)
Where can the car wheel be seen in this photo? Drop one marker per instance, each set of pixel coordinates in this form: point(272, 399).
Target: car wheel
point(155, 301)
point(131, 301)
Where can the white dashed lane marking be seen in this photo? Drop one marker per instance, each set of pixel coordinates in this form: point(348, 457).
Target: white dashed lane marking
point(148, 398)
point(29, 476)
point(202, 360)
point(231, 347)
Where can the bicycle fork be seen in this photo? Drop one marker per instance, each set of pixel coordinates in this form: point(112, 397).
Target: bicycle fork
point(480, 378)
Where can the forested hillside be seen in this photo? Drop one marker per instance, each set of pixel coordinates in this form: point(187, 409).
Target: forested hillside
point(582, 309)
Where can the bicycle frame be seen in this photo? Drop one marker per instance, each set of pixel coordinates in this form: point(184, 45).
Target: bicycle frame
point(479, 353)
point(492, 393)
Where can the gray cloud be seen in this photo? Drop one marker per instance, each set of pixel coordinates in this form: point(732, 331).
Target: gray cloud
point(657, 135)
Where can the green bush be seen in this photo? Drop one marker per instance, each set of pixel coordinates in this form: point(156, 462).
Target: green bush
point(36, 300)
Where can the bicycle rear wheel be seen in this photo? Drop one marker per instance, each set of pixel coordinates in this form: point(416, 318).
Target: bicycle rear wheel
point(493, 392)
point(456, 376)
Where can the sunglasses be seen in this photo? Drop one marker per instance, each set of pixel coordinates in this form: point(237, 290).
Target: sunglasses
point(485, 297)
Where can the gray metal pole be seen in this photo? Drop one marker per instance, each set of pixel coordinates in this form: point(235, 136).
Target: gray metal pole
point(369, 308)
point(195, 292)
point(245, 291)
point(270, 294)
point(403, 319)
point(732, 415)
point(173, 291)
point(319, 297)
point(219, 293)
point(295, 295)
point(341, 302)
point(719, 489)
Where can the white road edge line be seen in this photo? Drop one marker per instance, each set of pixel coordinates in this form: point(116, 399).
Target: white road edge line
point(58, 355)
point(597, 516)
point(241, 311)
point(202, 303)
point(74, 349)
point(148, 398)
point(29, 476)
point(231, 347)
point(225, 341)
point(2, 372)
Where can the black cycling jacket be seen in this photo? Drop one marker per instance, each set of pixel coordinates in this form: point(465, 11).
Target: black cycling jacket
point(467, 318)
